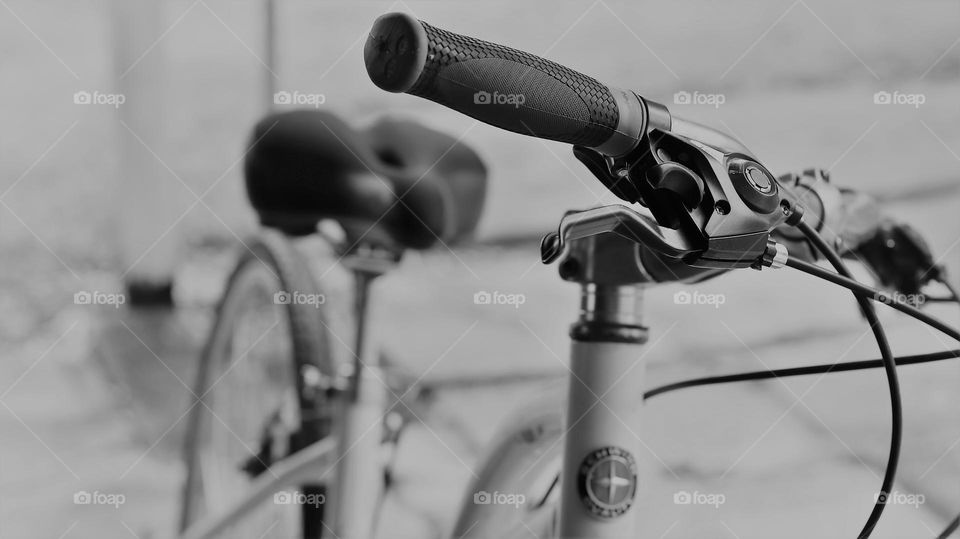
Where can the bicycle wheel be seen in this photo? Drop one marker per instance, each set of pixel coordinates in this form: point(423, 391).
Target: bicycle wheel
point(259, 394)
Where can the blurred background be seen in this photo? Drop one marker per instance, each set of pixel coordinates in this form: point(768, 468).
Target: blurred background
point(93, 194)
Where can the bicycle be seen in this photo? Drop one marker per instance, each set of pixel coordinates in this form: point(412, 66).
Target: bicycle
point(710, 207)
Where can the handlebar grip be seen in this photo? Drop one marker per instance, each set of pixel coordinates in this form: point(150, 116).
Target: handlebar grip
point(503, 87)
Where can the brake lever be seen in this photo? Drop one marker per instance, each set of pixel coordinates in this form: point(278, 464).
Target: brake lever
point(619, 220)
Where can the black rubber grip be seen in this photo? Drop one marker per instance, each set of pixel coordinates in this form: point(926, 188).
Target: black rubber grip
point(501, 86)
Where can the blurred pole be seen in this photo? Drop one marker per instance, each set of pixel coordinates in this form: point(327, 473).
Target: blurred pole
point(148, 201)
point(270, 51)
point(147, 198)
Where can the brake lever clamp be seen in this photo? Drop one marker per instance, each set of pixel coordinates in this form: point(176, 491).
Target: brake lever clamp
point(717, 197)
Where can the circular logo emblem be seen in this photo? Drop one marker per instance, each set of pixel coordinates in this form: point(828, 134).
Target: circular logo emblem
point(607, 481)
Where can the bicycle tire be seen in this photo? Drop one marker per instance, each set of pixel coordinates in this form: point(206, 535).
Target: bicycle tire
point(309, 351)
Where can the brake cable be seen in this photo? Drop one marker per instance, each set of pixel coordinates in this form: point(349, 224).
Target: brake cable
point(799, 371)
point(890, 368)
point(864, 294)
point(862, 290)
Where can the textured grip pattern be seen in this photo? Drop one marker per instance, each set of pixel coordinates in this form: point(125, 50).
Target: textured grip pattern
point(536, 96)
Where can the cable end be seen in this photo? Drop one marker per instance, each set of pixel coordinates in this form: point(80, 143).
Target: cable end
point(775, 256)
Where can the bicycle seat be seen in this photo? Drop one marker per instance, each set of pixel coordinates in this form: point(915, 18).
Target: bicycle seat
point(395, 183)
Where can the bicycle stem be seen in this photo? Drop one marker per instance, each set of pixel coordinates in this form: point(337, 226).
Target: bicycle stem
point(599, 476)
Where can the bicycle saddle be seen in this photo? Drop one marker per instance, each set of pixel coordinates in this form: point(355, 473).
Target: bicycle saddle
point(395, 183)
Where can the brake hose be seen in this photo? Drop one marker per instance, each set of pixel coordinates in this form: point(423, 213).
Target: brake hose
point(863, 294)
point(808, 370)
point(871, 293)
point(889, 366)
point(798, 371)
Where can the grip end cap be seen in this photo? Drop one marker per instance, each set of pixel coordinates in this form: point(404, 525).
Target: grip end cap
point(395, 52)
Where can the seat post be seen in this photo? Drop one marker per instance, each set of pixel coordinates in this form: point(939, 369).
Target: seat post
point(362, 280)
point(363, 405)
point(366, 263)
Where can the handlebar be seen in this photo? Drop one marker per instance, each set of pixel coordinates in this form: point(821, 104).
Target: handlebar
point(506, 88)
point(526, 94)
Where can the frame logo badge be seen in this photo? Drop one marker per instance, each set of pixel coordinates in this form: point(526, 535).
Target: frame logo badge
point(607, 481)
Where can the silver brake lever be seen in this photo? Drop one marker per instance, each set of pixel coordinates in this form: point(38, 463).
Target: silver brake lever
point(616, 219)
